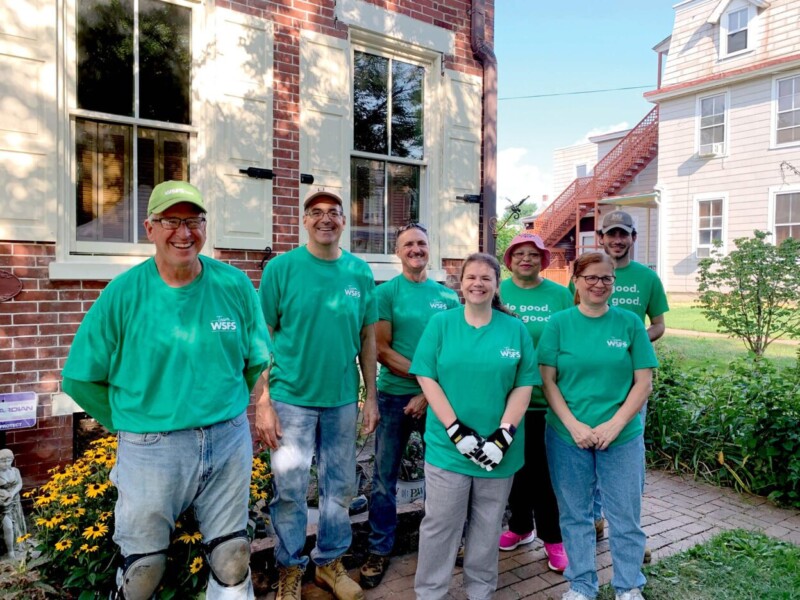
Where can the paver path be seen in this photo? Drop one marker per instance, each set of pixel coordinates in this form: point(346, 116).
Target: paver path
point(678, 513)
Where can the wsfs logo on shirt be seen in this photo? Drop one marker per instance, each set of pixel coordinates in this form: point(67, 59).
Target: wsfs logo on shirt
point(438, 305)
point(223, 324)
point(352, 291)
point(615, 343)
point(508, 352)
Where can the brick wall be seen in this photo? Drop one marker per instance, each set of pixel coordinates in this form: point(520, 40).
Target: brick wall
point(37, 326)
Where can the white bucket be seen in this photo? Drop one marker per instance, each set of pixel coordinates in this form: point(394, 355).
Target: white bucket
point(410, 491)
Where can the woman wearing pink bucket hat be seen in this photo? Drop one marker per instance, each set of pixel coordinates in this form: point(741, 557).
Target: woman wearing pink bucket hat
point(534, 299)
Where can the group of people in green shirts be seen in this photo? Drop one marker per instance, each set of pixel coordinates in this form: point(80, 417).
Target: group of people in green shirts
point(169, 354)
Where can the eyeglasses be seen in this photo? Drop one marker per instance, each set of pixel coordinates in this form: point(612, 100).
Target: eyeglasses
point(411, 225)
point(318, 213)
point(520, 254)
point(171, 223)
point(594, 279)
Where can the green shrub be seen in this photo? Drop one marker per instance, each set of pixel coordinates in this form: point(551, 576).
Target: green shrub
point(73, 520)
point(736, 428)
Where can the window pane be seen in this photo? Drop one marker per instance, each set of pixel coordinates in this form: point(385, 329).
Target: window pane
point(368, 192)
point(165, 61)
point(705, 237)
point(103, 207)
point(403, 199)
point(407, 111)
point(105, 56)
point(789, 135)
point(370, 99)
point(716, 234)
point(704, 209)
point(716, 207)
point(737, 41)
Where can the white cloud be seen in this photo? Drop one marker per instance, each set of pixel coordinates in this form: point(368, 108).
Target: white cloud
point(621, 126)
point(517, 177)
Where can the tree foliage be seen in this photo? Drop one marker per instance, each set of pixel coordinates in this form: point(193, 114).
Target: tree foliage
point(752, 292)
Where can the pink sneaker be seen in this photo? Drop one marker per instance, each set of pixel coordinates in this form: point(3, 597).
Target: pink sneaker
point(510, 540)
point(556, 557)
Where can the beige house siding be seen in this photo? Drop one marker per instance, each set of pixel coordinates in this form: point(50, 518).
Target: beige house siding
point(565, 161)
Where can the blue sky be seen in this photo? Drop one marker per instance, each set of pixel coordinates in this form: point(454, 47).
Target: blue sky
point(547, 47)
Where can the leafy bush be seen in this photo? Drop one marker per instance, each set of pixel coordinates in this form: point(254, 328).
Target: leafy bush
point(74, 521)
point(737, 428)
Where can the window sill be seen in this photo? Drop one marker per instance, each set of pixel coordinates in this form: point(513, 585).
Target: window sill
point(387, 271)
point(92, 270)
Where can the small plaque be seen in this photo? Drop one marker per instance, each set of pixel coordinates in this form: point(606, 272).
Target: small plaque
point(18, 410)
point(10, 286)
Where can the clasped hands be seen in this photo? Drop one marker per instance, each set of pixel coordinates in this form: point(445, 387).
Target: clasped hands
point(599, 437)
point(484, 452)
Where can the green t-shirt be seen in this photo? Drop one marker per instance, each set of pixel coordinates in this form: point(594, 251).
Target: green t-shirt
point(172, 358)
point(317, 309)
point(595, 359)
point(408, 306)
point(637, 289)
point(535, 306)
point(477, 368)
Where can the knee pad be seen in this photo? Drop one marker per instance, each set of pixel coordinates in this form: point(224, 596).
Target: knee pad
point(141, 574)
point(229, 558)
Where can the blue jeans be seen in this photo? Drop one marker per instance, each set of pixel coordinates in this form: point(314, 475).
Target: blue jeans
point(391, 437)
point(598, 502)
point(159, 475)
point(331, 433)
point(618, 473)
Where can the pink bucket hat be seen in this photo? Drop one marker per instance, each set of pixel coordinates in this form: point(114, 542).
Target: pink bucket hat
point(527, 238)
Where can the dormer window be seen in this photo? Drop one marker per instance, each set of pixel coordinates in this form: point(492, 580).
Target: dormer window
point(736, 37)
point(737, 22)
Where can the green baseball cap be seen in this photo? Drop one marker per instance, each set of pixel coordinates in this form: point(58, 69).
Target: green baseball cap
point(170, 193)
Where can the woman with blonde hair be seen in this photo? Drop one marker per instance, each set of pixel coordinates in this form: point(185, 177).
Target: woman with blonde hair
point(596, 363)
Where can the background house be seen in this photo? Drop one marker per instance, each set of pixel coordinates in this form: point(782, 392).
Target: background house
point(258, 103)
point(729, 131)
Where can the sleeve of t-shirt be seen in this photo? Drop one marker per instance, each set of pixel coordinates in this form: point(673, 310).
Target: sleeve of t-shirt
point(92, 398)
point(547, 350)
point(657, 305)
point(269, 294)
point(260, 351)
point(383, 297)
point(643, 355)
point(528, 368)
point(424, 362)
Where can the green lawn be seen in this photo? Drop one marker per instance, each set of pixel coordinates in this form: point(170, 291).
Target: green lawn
point(697, 352)
point(734, 565)
point(686, 315)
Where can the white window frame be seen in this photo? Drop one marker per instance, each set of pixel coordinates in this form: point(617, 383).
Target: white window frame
point(430, 62)
point(585, 169)
point(104, 260)
point(774, 111)
point(723, 197)
point(751, 28)
point(701, 149)
point(774, 192)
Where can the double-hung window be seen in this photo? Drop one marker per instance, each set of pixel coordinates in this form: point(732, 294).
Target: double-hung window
point(708, 224)
point(787, 123)
point(712, 126)
point(132, 115)
point(388, 160)
point(787, 216)
point(738, 29)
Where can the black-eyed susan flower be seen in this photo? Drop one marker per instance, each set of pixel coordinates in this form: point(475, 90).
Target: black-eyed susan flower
point(190, 538)
point(63, 545)
point(95, 531)
point(197, 564)
point(94, 490)
point(69, 499)
point(23, 538)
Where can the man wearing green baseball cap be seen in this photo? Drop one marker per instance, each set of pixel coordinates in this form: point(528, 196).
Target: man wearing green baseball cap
point(167, 358)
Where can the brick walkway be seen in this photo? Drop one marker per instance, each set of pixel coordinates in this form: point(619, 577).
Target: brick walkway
point(678, 513)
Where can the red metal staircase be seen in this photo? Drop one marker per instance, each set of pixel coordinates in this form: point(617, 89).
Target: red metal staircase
point(614, 171)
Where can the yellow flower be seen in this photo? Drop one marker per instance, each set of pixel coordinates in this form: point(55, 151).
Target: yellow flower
point(95, 531)
point(93, 490)
point(23, 538)
point(29, 493)
point(75, 481)
point(88, 549)
point(190, 538)
point(63, 545)
point(49, 523)
point(196, 565)
point(79, 511)
point(70, 499)
point(105, 515)
point(45, 499)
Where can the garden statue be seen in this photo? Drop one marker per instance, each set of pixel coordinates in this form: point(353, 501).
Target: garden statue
point(13, 521)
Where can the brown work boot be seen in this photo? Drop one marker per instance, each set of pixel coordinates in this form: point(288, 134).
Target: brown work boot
point(599, 529)
point(290, 579)
point(333, 577)
point(373, 570)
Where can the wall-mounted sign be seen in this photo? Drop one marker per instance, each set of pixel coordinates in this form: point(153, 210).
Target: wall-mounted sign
point(18, 410)
point(10, 286)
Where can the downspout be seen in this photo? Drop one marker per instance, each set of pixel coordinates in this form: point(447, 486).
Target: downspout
point(485, 54)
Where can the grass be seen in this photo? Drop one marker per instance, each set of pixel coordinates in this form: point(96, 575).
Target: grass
point(719, 352)
point(686, 315)
point(734, 565)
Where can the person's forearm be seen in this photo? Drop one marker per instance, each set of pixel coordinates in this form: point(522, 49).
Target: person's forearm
point(394, 361)
point(657, 328)
point(437, 400)
point(554, 397)
point(517, 404)
point(637, 396)
point(367, 360)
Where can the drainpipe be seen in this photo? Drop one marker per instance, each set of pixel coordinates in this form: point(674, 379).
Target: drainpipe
point(485, 54)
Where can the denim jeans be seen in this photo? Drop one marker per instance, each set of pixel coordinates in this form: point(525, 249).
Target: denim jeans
point(598, 502)
point(391, 437)
point(331, 433)
point(617, 472)
point(159, 475)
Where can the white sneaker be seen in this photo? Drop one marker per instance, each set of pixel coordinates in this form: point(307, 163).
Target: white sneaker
point(573, 595)
point(634, 594)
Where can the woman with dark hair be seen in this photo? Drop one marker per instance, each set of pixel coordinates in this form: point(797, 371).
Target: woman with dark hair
point(476, 366)
point(596, 363)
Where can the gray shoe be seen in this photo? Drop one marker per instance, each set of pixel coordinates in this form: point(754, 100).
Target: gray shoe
point(634, 594)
